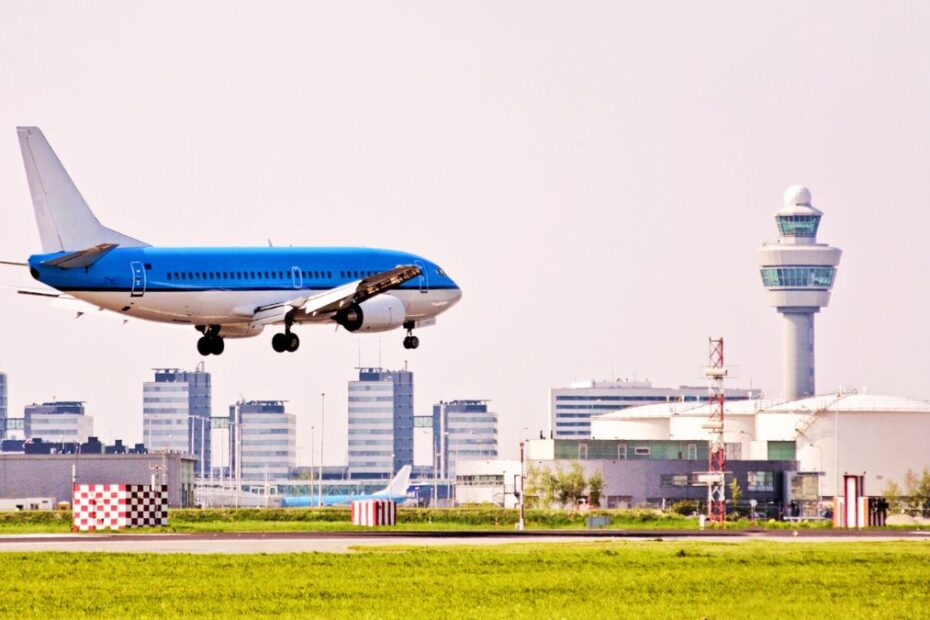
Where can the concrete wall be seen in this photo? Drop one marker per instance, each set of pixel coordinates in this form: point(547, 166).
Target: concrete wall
point(42, 475)
point(881, 445)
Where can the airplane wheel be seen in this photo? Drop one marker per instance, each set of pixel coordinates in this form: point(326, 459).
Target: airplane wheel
point(293, 342)
point(204, 346)
point(279, 342)
point(414, 342)
point(407, 342)
point(217, 345)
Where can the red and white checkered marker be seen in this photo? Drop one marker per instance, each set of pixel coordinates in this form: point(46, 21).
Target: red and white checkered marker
point(118, 506)
point(374, 512)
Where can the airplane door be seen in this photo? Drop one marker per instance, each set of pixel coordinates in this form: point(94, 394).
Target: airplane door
point(297, 280)
point(138, 279)
point(424, 277)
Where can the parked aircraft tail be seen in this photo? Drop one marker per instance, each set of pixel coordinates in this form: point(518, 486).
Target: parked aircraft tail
point(398, 484)
point(65, 221)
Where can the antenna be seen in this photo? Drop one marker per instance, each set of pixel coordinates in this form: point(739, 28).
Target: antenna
point(716, 448)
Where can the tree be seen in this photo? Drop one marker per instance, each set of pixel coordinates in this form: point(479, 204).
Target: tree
point(892, 494)
point(923, 492)
point(736, 494)
point(570, 485)
point(911, 482)
point(596, 487)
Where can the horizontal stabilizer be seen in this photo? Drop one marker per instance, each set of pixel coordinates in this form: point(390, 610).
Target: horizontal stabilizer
point(81, 258)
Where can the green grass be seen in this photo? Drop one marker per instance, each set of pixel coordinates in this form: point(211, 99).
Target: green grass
point(334, 519)
point(592, 580)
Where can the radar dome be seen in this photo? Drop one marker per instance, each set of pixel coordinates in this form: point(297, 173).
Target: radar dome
point(797, 195)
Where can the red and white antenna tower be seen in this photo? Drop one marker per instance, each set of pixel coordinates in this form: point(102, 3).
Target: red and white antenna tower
point(716, 449)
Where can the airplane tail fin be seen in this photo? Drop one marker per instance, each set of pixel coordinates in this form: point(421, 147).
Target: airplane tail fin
point(65, 221)
point(398, 484)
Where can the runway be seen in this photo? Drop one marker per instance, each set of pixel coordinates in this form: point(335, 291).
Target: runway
point(344, 542)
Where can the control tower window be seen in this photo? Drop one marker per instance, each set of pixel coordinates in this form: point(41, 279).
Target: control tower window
point(798, 277)
point(798, 225)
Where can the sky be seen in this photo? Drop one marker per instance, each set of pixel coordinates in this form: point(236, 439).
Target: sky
point(595, 175)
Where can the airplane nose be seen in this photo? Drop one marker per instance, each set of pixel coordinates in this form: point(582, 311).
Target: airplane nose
point(456, 294)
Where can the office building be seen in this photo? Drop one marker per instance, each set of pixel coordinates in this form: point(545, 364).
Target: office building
point(176, 413)
point(571, 408)
point(798, 273)
point(380, 422)
point(62, 421)
point(463, 430)
point(267, 440)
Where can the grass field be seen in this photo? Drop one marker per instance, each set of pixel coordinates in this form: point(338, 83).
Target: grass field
point(591, 580)
point(336, 519)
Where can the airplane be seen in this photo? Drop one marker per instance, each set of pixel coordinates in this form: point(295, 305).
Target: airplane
point(395, 490)
point(222, 292)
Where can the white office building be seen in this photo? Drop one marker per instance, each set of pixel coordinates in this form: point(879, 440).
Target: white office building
point(463, 430)
point(380, 423)
point(176, 411)
point(267, 437)
point(62, 421)
point(571, 408)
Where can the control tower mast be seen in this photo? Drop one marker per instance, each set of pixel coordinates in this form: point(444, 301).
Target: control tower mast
point(798, 273)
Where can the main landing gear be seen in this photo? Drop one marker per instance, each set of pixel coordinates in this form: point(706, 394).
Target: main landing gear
point(411, 341)
point(211, 343)
point(288, 341)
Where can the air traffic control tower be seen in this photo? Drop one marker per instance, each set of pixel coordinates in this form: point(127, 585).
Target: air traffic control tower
point(798, 273)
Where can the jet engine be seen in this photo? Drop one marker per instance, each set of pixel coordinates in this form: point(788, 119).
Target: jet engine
point(378, 314)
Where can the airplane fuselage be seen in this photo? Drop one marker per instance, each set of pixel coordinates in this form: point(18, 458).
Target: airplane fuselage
point(222, 286)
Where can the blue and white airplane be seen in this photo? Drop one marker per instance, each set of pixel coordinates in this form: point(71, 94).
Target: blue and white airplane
point(222, 292)
point(395, 490)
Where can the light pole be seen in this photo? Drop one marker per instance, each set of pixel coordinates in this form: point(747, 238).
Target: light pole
point(319, 497)
point(522, 522)
point(312, 457)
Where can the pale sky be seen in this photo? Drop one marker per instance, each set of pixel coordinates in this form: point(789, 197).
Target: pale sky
point(596, 176)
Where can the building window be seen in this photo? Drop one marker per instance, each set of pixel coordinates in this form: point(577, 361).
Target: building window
point(583, 451)
point(621, 451)
point(674, 480)
point(760, 481)
point(692, 452)
point(642, 451)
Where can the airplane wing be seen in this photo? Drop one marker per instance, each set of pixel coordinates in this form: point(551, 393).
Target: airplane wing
point(327, 303)
point(356, 292)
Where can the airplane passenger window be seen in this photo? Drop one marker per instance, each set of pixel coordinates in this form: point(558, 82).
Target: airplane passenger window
point(169, 275)
point(253, 275)
point(329, 274)
point(238, 275)
point(266, 275)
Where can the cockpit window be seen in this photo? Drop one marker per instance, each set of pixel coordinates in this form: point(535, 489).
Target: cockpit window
point(440, 271)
